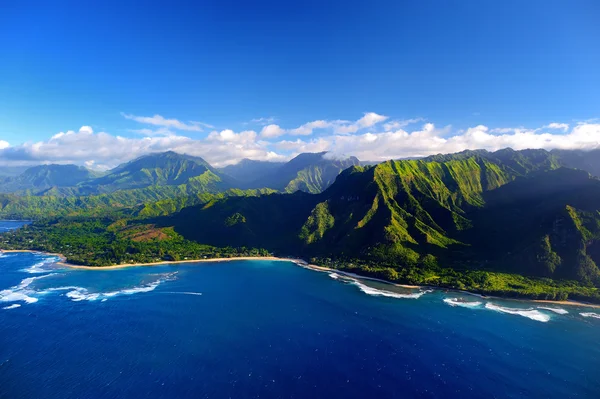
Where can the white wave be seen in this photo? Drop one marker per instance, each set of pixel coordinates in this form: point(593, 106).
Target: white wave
point(334, 276)
point(555, 310)
point(591, 314)
point(83, 294)
point(13, 306)
point(21, 292)
point(529, 313)
point(40, 266)
point(464, 304)
point(376, 292)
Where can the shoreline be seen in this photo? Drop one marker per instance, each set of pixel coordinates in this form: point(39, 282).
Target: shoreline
point(176, 262)
point(302, 263)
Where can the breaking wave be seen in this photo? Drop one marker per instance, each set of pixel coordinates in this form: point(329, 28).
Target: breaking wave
point(77, 294)
point(591, 314)
point(13, 306)
point(40, 267)
point(555, 310)
point(464, 304)
point(532, 314)
point(377, 292)
point(21, 292)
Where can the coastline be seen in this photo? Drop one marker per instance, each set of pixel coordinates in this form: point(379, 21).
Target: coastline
point(302, 263)
point(175, 262)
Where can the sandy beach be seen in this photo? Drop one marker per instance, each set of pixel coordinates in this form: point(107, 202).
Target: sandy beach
point(271, 258)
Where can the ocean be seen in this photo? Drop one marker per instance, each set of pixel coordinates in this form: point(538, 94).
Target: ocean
point(267, 329)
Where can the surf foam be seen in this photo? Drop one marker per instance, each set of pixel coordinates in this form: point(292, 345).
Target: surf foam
point(532, 314)
point(13, 306)
point(376, 292)
point(78, 294)
point(21, 292)
point(40, 266)
point(555, 310)
point(456, 302)
point(590, 314)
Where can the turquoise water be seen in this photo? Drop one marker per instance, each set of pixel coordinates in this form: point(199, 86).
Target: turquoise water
point(249, 329)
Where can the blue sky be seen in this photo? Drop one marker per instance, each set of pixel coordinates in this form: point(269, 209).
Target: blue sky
point(449, 66)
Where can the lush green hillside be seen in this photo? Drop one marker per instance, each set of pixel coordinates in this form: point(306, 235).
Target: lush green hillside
point(106, 241)
point(38, 179)
point(149, 201)
point(309, 172)
point(466, 212)
point(509, 223)
point(164, 169)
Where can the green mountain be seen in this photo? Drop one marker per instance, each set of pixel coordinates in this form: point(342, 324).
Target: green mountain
point(308, 172)
point(505, 223)
point(470, 210)
point(247, 170)
point(163, 169)
point(40, 178)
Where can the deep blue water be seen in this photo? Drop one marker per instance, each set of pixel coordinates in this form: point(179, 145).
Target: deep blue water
point(249, 329)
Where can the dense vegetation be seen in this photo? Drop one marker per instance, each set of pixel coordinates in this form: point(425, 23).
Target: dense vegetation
point(165, 175)
point(311, 173)
point(468, 212)
point(106, 241)
point(40, 178)
point(509, 223)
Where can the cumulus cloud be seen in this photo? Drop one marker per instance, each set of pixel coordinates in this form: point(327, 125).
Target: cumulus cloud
point(263, 121)
point(555, 125)
point(271, 131)
point(368, 120)
point(429, 140)
point(102, 150)
point(399, 139)
point(158, 120)
point(308, 128)
point(162, 131)
point(399, 124)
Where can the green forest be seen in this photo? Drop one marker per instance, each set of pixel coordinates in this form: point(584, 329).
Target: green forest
point(508, 223)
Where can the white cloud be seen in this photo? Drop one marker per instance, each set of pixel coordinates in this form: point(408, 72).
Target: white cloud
point(86, 129)
point(307, 128)
point(555, 125)
point(158, 120)
point(368, 120)
point(299, 146)
point(503, 130)
point(263, 121)
point(221, 147)
point(271, 131)
point(102, 150)
point(161, 131)
point(429, 140)
point(399, 124)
